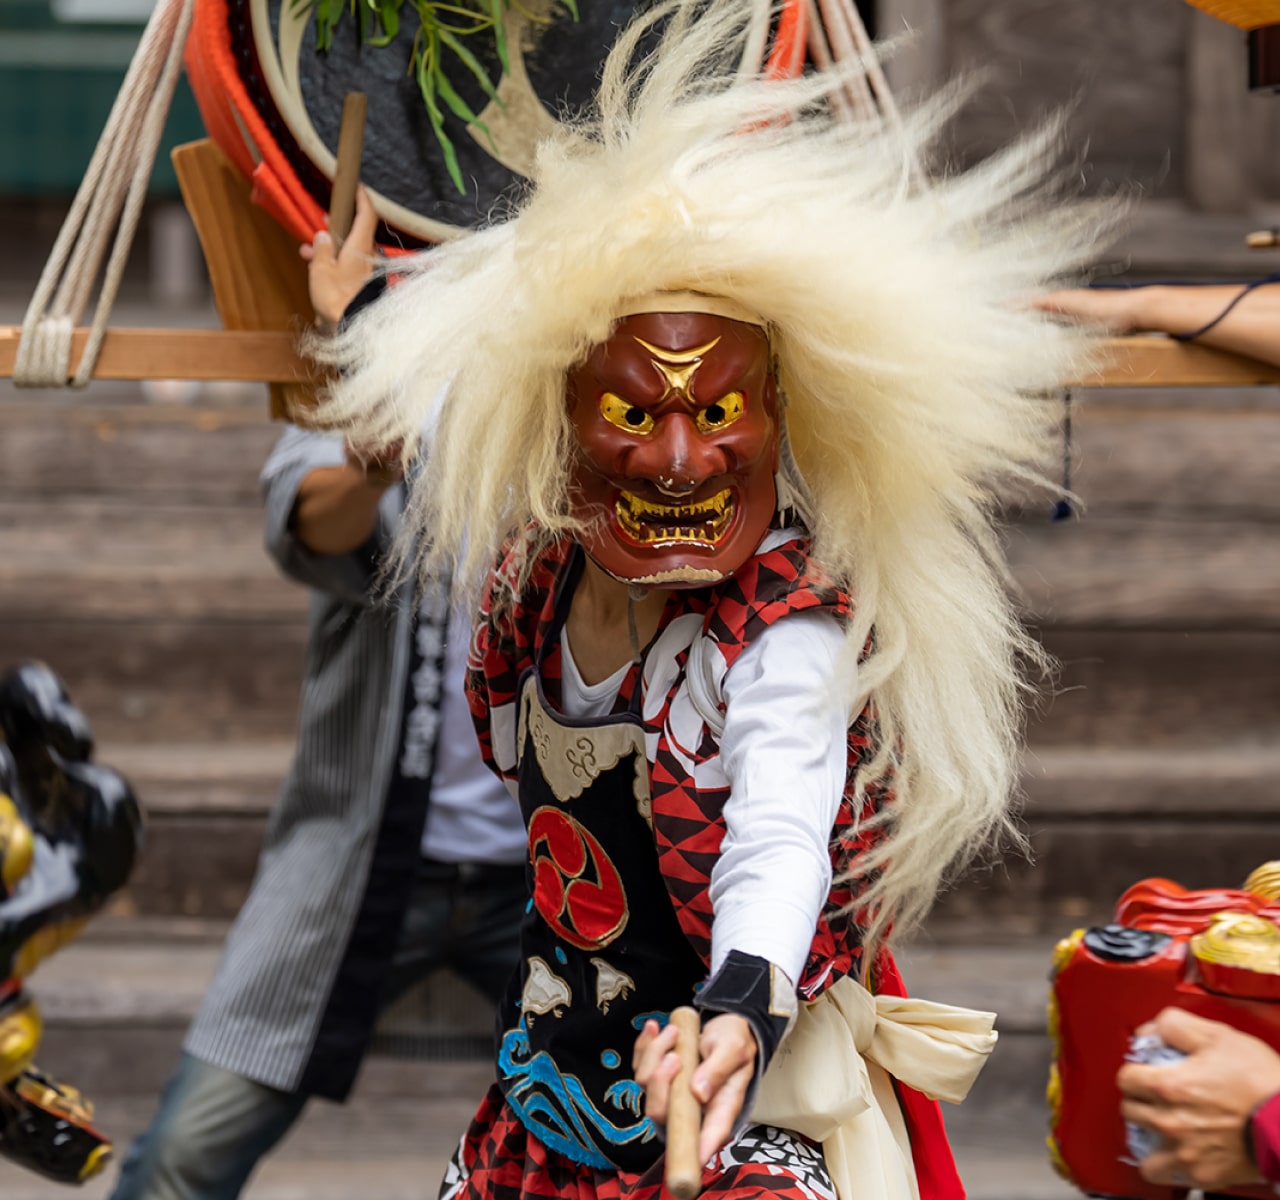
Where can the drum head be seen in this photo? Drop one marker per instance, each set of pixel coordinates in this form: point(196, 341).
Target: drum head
point(554, 63)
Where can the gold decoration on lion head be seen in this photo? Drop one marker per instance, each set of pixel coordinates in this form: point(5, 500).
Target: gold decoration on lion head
point(1265, 881)
point(1240, 940)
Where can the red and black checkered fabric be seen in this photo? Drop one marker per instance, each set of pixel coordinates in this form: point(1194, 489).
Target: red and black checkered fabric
point(500, 1160)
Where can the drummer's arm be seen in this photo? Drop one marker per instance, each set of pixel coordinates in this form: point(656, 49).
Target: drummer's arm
point(326, 524)
point(1216, 1110)
point(1250, 326)
point(336, 276)
point(336, 505)
point(336, 510)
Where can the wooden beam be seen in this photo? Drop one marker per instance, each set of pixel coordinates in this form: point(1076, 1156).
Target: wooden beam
point(1154, 361)
point(271, 356)
point(265, 356)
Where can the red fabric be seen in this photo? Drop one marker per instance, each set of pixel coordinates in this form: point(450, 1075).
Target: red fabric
point(787, 56)
point(500, 1160)
point(935, 1165)
point(1266, 1139)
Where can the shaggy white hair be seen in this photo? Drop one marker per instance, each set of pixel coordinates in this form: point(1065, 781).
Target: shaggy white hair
point(913, 371)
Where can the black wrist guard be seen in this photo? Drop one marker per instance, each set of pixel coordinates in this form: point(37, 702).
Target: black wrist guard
point(372, 290)
point(752, 987)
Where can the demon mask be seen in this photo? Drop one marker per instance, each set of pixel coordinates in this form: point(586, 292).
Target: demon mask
point(677, 428)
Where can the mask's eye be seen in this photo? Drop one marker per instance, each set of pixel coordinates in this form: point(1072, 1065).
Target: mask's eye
point(721, 414)
point(626, 416)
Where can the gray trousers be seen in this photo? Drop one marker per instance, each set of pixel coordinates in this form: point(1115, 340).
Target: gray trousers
point(213, 1126)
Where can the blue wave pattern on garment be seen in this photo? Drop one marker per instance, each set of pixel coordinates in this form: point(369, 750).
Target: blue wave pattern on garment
point(557, 1109)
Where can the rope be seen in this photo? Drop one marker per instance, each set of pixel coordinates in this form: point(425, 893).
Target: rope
point(110, 197)
point(837, 34)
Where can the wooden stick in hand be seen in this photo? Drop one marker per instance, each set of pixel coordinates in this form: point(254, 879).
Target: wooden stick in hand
point(684, 1113)
point(346, 173)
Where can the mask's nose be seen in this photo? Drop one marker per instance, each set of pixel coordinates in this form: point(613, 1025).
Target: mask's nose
point(676, 457)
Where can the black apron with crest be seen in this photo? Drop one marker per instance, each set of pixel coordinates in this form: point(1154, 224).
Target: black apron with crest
point(602, 950)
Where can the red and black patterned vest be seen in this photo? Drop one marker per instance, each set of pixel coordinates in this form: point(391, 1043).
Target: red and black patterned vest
point(687, 817)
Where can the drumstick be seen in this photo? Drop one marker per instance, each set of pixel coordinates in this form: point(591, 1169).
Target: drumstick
point(346, 173)
point(684, 1113)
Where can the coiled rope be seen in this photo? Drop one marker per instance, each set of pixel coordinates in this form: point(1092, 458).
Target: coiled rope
point(109, 198)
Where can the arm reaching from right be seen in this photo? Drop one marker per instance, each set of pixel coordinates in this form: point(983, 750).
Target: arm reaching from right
point(1251, 328)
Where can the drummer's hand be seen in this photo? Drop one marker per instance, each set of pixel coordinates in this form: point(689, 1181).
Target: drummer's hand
point(1116, 310)
point(380, 466)
point(728, 1052)
point(335, 277)
point(1201, 1105)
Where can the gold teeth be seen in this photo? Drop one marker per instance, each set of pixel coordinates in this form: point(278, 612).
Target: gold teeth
point(650, 524)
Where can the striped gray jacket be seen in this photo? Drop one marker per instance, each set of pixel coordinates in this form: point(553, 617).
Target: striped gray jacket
point(264, 1012)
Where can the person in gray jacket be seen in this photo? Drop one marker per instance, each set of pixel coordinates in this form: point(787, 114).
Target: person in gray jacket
point(391, 851)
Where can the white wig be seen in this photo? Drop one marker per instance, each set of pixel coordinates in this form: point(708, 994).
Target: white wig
point(912, 370)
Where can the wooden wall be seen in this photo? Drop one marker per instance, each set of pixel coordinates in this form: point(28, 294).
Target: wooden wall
point(1157, 90)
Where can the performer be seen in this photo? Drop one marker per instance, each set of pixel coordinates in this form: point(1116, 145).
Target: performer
point(392, 851)
point(728, 400)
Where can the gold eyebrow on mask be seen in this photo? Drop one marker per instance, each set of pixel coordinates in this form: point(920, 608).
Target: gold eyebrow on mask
point(677, 367)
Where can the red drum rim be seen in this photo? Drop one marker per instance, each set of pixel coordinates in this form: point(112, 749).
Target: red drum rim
point(235, 123)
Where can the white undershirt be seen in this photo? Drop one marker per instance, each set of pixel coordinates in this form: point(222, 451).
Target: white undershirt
point(471, 816)
point(784, 752)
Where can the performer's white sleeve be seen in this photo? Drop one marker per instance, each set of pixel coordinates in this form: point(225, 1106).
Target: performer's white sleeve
point(784, 751)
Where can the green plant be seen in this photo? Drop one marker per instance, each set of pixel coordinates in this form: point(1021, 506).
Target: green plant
point(440, 45)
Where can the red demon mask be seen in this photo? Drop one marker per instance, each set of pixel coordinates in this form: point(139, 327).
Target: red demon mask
point(676, 417)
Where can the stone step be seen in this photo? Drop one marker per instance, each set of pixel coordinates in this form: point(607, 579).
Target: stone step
point(1177, 452)
point(1167, 451)
point(117, 985)
point(1157, 688)
point(91, 560)
point(68, 445)
point(174, 679)
point(190, 681)
point(1169, 239)
point(179, 781)
point(115, 1008)
point(1099, 818)
point(397, 1149)
point(1078, 868)
point(1151, 573)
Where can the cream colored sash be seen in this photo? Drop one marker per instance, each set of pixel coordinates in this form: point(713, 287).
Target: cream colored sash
point(830, 1080)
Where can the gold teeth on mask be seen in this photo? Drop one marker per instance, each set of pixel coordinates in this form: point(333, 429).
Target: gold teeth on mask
point(703, 523)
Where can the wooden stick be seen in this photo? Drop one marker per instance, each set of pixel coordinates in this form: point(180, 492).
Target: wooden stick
point(684, 1113)
point(1263, 239)
point(346, 173)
